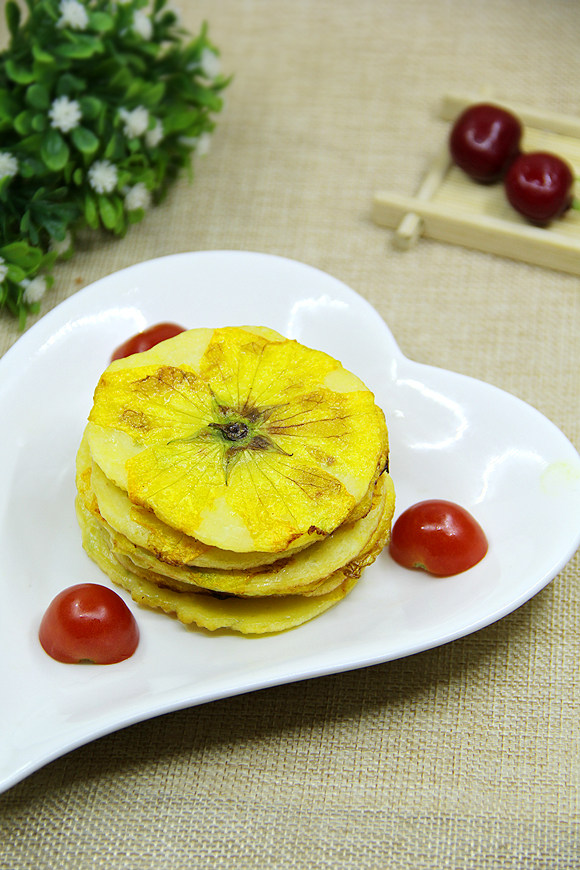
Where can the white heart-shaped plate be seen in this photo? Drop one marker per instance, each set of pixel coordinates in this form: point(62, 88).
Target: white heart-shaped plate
point(451, 437)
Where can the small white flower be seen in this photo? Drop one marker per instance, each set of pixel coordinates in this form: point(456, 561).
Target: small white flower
point(137, 197)
point(61, 246)
point(142, 25)
point(65, 114)
point(3, 269)
point(34, 290)
point(103, 176)
point(8, 165)
point(154, 136)
point(210, 64)
point(203, 144)
point(136, 121)
point(72, 14)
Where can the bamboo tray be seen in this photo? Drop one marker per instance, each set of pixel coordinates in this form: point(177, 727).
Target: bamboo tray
point(450, 207)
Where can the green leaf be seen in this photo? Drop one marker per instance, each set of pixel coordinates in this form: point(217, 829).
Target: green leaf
point(204, 97)
point(78, 176)
point(32, 144)
point(178, 121)
point(115, 149)
point(101, 22)
point(151, 95)
point(31, 166)
point(8, 105)
point(38, 96)
point(82, 48)
point(28, 228)
point(38, 193)
point(47, 262)
point(39, 122)
point(125, 178)
point(69, 84)
point(41, 55)
point(54, 150)
point(21, 254)
point(135, 91)
point(136, 215)
point(54, 226)
point(4, 184)
point(12, 16)
point(85, 140)
point(23, 122)
point(90, 211)
point(20, 74)
point(121, 80)
point(16, 273)
point(150, 48)
point(90, 107)
point(108, 212)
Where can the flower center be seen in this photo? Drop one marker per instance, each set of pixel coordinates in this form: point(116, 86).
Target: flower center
point(234, 431)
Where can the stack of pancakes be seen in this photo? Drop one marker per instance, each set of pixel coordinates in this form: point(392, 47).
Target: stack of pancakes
point(234, 478)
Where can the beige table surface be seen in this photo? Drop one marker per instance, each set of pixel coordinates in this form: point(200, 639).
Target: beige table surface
point(466, 756)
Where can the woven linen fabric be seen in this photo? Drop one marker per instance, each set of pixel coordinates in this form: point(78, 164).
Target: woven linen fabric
point(464, 757)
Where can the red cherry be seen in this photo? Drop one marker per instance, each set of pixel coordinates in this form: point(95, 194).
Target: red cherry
point(539, 186)
point(484, 140)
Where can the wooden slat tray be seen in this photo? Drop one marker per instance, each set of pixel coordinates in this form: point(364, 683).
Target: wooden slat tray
point(450, 207)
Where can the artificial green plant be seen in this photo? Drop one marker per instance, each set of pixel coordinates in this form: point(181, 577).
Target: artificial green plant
point(102, 103)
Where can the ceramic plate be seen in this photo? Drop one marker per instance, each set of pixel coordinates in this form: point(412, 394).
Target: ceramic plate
point(451, 437)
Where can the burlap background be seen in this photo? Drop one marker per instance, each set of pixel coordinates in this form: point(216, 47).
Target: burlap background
point(463, 757)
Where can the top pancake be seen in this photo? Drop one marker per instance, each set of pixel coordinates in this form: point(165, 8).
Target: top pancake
point(239, 438)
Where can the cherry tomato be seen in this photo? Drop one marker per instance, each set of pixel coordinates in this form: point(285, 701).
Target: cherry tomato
point(438, 536)
point(147, 339)
point(88, 622)
point(539, 186)
point(484, 140)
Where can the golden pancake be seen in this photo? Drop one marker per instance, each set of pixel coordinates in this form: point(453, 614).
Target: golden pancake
point(252, 616)
point(290, 572)
point(244, 441)
point(143, 528)
point(352, 569)
point(300, 572)
point(234, 479)
point(140, 526)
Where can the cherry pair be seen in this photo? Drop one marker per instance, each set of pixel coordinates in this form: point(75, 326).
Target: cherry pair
point(485, 142)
